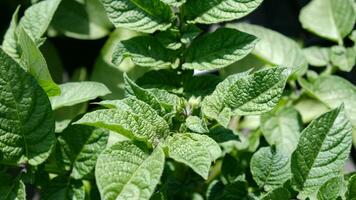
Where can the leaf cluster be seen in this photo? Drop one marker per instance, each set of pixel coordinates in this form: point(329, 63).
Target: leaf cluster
point(175, 111)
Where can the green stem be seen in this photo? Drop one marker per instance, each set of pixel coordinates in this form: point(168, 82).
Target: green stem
point(329, 70)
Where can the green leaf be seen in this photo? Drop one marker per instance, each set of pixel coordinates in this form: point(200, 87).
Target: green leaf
point(170, 102)
point(64, 116)
point(9, 44)
point(215, 11)
point(190, 32)
point(270, 168)
point(143, 110)
point(330, 19)
point(175, 3)
point(194, 150)
point(38, 17)
point(145, 51)
point(80, 146)
point(213, 148)
point(221, 134)
point(218, 49)
point(277, 194)
point(275, 48)
point(317, 56)
point(126, 171)
point(236, 190)
point(201, 85)
point(247, 94)
point(331, 189)
point(78, 92)
point(170, 38)
point(34, 62)
point(224, 117)
point(11, 189)
point(27, 124)
point(142, 94)
point(35, 22)
point(351, 188)
point(139, 15)
point(160, 82)
point(343, 58)
point(213, 104)
point(214, 190)
point(322, 151)
point(310, 108)
point(282, 128)
point(81, 20)
point(135, 120)
point(249, 62)
point(63, 188)
point(258, 92)
point(333, 91)
point(196, 124)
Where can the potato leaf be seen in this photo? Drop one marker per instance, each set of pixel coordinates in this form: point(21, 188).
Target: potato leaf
point(247, 94)
point(139, 15)
point(80, 146)
point(35, 22)
point(282, 128)
point(270, 168)
point(322, 151)
point(275, 49)
point(331, 189)
point(127, 171)
point(330, 19)
point(215, 11)
point(27, 124)
point(132, 118)
point(218, 49)
point(78, 92)
point(144, 51)
point(34, 62)
point(192, 149)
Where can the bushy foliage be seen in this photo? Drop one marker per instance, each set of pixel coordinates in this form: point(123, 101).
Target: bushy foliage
point(174, 111)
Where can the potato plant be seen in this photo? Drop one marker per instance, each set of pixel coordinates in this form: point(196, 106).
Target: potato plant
point(186, 100)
